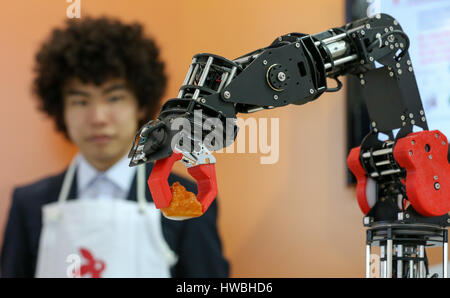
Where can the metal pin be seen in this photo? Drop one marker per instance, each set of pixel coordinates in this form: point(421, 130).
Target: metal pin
point(389, 259)
point(421, 262)
point(399, 261)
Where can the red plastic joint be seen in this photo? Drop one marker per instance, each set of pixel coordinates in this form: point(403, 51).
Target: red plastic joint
point(355, 166)
point(424, 156)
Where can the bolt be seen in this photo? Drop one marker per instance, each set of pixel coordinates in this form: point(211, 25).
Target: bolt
point(443, 143)
point(386, 43)
point(227, 94)
point(413, 142)
point(410, 153)
point(397, 65)
point(407, 215)
point(411, 115)
point(396, 44)
point(265, 62)
point(421, 112)
point(368, 26)
point(435, 177)
point(275, 97)
point(413, 122)
point(391, 28)
point(311, 91)
point(362, 61)
point(423, 119)
point(437, 186)
point(402, 117)
point(297, 45)
point(399, 71)
point(363, 82)
point(402, 45)
point(362, 32)
point(281, 76)
point(391, 47)
point(386, 30)
point(391, 74)
point(395, 22)
point(374, 124)
point(430, 156)
point(371, 58)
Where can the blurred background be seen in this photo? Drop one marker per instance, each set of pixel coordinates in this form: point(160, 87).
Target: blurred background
point(295, 218)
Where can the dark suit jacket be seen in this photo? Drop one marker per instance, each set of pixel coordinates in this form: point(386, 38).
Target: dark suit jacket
point(195, 241)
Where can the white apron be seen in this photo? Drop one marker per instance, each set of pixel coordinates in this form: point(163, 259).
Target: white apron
point(102, 238)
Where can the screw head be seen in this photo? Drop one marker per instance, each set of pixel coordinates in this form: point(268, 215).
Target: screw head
point(265, 62)
point(297, 45)
point(275, 97)
point(437, 186)
point(311, 91)
point(363, 82)
point(227, 94)
point(281, 76)
point(407, 215)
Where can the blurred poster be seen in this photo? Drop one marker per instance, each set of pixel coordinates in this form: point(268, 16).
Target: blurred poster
point(427, 23)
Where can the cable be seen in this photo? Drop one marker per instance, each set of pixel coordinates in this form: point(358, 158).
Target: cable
point(337, 88)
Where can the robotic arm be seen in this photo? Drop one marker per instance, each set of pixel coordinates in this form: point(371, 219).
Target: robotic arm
point(409, 166)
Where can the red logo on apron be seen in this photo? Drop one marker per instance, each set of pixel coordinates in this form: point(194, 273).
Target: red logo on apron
point(92, 266)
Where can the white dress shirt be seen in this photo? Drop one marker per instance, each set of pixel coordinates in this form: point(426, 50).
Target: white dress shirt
point(113, 183)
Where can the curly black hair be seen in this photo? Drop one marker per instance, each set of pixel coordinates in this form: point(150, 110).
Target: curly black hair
point(94, 50)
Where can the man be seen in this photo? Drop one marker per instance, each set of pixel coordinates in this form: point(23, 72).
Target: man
point(100, 80)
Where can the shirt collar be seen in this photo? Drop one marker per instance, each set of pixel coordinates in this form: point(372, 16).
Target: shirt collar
point(120, 173)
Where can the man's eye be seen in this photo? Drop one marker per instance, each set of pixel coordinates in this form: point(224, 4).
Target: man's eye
point(115, 98)
point(78, 102)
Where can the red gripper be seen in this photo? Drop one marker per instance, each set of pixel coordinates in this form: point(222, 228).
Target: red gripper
point(204, 174)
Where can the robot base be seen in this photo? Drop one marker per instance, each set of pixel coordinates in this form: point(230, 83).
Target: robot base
point(402, 249)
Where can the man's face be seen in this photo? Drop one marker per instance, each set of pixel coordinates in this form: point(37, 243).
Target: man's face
point(101, 120)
